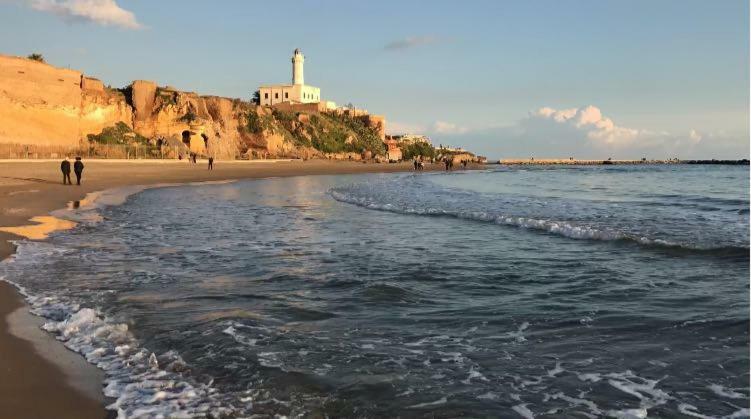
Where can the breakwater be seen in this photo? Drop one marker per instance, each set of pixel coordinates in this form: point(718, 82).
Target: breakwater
point(579, 162)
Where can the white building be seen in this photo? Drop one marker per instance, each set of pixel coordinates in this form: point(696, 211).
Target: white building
point(297, 92)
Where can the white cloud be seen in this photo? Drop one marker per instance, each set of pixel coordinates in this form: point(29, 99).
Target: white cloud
point(443, 127)
point(591, 123)
point(584, 133)
point(102, 12)
point(694, 136)
point(587, 133)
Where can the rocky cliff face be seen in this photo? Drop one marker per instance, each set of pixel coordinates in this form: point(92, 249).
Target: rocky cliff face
point(42, 105)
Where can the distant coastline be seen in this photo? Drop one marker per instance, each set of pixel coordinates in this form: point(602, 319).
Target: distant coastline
point(590, 162)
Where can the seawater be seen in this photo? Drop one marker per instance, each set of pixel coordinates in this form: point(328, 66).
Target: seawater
point(616, 291)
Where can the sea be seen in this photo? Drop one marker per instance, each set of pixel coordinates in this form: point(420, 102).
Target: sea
point(525, 291)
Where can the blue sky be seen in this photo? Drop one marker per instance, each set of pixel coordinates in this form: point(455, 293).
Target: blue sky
point(539, 78)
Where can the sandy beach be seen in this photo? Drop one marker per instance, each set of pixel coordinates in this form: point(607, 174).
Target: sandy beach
point(28, 189)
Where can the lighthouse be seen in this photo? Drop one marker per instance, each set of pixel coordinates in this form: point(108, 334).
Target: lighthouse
point(298, 60)
point(292, 94)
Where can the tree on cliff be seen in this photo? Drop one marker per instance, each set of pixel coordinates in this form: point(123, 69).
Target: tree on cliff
point(36, 57)
point(256, 97)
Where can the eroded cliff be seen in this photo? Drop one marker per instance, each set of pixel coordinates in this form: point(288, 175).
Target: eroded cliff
point(45, 106)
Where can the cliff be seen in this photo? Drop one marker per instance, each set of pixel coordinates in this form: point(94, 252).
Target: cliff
point(62, 109)
point(44, 105)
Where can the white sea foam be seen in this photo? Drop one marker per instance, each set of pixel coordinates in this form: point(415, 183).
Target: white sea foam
point(643, 389)
point(559, 227)
point(555, 371)
point(690, 410)
point(134, 378)
point(724, 392)
point(488, 396)
point(474, 374)
point(639, 413)
point(577, 401)
point(523, 411)
point(438, 402)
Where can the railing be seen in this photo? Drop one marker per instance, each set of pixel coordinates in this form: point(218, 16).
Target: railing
point(103, 151)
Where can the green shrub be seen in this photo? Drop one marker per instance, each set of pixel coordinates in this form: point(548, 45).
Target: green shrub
point(418, 149)
point(254, 123)
point(118, 134)
point(189, 116)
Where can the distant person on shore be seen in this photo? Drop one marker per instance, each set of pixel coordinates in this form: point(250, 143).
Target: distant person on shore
point(446, 162)
point(78, 168)
point(211, 163)
point(65, 168)
point(415, 163)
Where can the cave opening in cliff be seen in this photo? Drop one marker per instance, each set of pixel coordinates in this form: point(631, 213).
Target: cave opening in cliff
point(186, 138)
point(205, 140)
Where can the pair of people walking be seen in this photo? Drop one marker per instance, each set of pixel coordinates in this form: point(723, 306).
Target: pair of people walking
point(77, 169)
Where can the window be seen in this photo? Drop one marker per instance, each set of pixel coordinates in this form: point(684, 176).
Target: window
point(286, 95)
point(276, 95)
point(265, 95)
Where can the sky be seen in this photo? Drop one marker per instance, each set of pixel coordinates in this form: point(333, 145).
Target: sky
point(506, 79)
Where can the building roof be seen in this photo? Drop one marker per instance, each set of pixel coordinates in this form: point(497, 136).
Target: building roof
point(275, 85)
point(287, 85)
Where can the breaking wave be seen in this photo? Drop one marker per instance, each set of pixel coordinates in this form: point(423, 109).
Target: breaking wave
point(559, 227)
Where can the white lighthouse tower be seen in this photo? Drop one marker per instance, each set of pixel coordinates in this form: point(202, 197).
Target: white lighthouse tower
point(296, 93)
point(298, 60)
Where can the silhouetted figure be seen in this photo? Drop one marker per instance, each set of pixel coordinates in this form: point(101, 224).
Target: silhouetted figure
point(414, 162)
point(65, 168)
point(464, 164)
point(211, 163)
point(446, 162)
point(78, 168)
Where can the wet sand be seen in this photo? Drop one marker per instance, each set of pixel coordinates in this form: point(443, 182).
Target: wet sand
point(41, 378)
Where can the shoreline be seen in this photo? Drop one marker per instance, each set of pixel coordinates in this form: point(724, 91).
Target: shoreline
point(32, 192)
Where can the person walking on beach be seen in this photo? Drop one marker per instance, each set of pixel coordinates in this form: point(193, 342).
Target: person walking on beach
point(415, 163)
point(78, 168)
point(65, 168)
point(211, 163)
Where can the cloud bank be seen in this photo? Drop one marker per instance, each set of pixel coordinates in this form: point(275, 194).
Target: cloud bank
point(410, 42)
point(587, 133)
point(101, 12)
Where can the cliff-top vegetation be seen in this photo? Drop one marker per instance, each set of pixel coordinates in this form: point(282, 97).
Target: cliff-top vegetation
point(327, 133)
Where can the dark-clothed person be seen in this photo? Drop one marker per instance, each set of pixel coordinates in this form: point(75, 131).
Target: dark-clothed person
point(65, 168)
point(78, 169)
point(211, 163)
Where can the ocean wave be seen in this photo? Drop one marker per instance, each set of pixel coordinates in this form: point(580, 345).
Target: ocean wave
point(141, 383)
point(558, 227)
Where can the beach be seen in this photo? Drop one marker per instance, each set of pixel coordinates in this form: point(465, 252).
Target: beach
point(28, 189)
